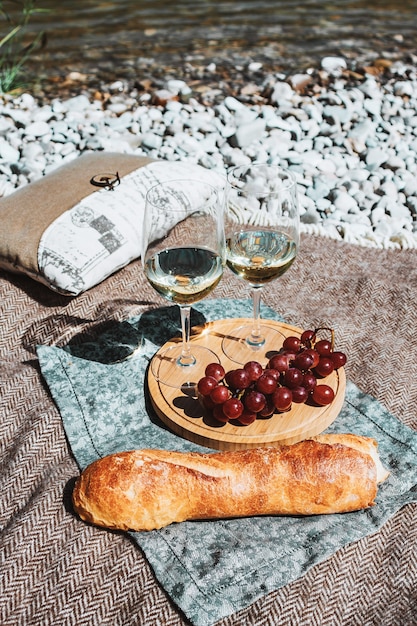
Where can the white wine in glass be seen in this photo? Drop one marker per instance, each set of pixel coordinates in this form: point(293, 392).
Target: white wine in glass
point(183, 257)
point(262, 240)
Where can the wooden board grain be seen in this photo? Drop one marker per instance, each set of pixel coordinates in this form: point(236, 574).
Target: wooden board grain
point(182, 412)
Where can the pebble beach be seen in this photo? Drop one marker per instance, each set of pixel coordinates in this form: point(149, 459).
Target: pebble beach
point(348, 131)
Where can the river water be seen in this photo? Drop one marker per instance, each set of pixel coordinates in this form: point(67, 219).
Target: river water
point(115, 38)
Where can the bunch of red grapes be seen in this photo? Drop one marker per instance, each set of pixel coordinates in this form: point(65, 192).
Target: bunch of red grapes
point(291, 376)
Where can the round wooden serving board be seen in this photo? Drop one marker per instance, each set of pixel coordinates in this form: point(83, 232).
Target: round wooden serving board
point(182, 412)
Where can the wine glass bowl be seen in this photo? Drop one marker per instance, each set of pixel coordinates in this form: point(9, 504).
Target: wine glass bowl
point(183, 257)
point(262, 240)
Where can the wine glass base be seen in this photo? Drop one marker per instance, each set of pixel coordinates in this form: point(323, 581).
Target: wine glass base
point(238, 349)
point(168, 371)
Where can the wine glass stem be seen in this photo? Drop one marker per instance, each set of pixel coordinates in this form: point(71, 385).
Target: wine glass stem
point(255, 339)
point(186, 357)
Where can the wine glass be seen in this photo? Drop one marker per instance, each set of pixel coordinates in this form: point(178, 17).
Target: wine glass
point(183, 257)
point(262, 240)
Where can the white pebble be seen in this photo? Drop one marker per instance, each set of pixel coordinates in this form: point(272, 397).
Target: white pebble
point(38, 129)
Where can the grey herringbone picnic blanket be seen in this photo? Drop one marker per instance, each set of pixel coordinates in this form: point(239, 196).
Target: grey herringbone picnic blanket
point(57, 570)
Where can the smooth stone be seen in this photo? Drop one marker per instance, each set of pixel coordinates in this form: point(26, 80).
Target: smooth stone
point(410, 186)
point(282, 92)
point(78, 103)
point(37, 129)
point(67, 148)
point(304, 146)
point(232, 104)
point(6, 126)
point(370, 88)
point(399, 211)
point(337, 114)
point(333, 64)
point(329, 165)
point(7, 187)
point(384, 228)
point(322, 143)
point(176, 86)
point(254, 66)
point(373, 107)
point(404, 88)
point(8, 153)
point(44, 114)
point(345, 202)
point(325, 205)
point(319, 190)
point(151, 141)
point(362, 130)
point(353, 231)
point(375, 158)
point(59, 126)
point(117, 85)
point(395, 162)
point(32, 151)
point(247, 133)
point(117, 107)
point(246, 116)
point(299, 81)
point(389, 188)
point(26, 101)
point(313, 111)
point(19, 116)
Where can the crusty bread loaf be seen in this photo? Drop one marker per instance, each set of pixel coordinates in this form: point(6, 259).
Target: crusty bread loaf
point(367, 445)
point(149, 489)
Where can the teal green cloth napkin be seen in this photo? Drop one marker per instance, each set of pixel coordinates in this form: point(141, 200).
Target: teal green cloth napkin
point(212, 569)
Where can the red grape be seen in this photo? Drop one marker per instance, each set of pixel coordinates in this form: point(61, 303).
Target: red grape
point(307, 337)
point(254, 401)
point(282, 398)
point(247, 418)
point(299, 394)
point(324, 367)
point(293, 377)
point(274, 373)
point(339, 359)
point(233, 408)
point(220, 394)
point(309, 381)
point(254, 369)
point(291, 354)
point(268, 409)
point(322, 395)
point(215, 370)
point(206, 385)
point(280, 362)
point(323, 347)
point(238, 379)
point(314, 354)
point(292, 344)
point(304, 361)
point(266, 384)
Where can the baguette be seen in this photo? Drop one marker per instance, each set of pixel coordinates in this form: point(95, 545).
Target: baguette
point(149, 489)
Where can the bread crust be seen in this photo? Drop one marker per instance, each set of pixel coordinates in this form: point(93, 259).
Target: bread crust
point(149, 489)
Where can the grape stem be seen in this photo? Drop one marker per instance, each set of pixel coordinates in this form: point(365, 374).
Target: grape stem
point(331, 331)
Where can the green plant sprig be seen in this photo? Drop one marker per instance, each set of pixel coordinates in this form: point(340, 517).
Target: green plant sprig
point(13, 54)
